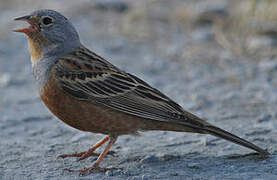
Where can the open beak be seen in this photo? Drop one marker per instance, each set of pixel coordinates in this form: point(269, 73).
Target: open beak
point(29, 19)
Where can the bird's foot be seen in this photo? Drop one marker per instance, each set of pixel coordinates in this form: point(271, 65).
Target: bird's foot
point(88, 170)
point(76, 154)
point(84, 154)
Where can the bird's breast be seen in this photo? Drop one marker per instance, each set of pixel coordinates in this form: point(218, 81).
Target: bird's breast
point(86, 115)
point(67, 109)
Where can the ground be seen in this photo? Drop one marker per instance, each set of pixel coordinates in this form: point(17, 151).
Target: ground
point(193, 51)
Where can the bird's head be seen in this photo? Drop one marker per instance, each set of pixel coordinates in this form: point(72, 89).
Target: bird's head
point(49, 33)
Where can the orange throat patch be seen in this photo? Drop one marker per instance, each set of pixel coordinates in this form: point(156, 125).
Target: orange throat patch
point(34, 49)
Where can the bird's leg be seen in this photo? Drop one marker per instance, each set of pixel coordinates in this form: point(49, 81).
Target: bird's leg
point(87, 153)
point(95, 165)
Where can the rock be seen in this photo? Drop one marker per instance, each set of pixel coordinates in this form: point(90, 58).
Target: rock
point(149, 159)
point(264, 118)
point(203, 141)
point(193, 165)
point(166, 157)
point(203, 34)
point(260, 42)
point(135, 178)
point(109, 173)
point(146, 177)
point(117, 172)
point(4, 80)
point(268, 66)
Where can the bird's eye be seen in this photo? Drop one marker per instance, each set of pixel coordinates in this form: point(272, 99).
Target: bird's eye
point(47, 20)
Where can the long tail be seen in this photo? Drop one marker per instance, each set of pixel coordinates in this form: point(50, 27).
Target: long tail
point(210, 129)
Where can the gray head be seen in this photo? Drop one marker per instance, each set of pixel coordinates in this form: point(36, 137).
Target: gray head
point(49, 32)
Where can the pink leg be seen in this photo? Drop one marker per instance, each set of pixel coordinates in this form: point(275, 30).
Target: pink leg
point(96, 163)
point(86, 154)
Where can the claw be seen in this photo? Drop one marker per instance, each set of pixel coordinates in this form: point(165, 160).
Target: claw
point(76, 154)
point(90, 152)
point(86, 155)
point(86, 171)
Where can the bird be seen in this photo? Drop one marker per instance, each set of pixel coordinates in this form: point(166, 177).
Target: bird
point(90, 94)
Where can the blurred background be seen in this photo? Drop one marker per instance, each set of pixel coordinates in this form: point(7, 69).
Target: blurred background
point(215, 58)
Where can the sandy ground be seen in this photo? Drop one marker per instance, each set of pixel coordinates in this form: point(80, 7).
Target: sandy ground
point(235, 92)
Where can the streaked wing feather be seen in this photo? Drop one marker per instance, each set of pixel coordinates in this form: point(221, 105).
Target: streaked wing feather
point(92, 78)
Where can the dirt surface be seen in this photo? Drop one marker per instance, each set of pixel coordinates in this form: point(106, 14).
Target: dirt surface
point(175, 51)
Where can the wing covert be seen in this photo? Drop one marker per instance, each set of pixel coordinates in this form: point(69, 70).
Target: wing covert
point(109, 86)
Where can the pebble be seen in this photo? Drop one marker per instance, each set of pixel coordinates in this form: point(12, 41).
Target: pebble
point(268, 65)
point(149, 159)
point(260, 42)
point(264, 118)
point(166, 157)
point(109, 173)
point(4, 80)
point(146, 177)
point(134, 178)
point(193, 165)
point(117, 172)
point(202, 34)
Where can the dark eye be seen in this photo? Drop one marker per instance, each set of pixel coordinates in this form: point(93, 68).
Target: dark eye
point(47, 20)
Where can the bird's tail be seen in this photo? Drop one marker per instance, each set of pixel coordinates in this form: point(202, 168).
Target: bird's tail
point(210, 129)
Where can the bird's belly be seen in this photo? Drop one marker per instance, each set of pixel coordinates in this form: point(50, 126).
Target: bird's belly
point(85, 115)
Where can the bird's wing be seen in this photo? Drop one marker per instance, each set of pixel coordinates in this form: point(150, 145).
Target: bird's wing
point(87, 76)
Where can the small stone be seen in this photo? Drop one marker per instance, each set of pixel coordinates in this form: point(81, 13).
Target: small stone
point(260, 42)
point(145, 177)
point(264, 118)
point(174, 174)
point(117, 172)
point(202, 35)
point(165, 157)
point(193, 165)
point(126, 173)
point(4, 80)
point(203, 141)
point(268, 66)
point(134, 178)
point(109, 173)
point(149, 159)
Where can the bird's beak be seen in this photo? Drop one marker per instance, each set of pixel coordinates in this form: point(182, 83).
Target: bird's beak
point(23, 18)
point(32, 20)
